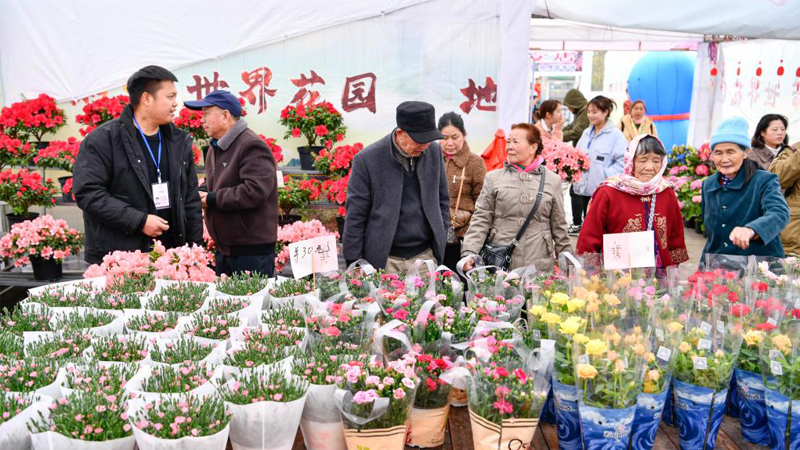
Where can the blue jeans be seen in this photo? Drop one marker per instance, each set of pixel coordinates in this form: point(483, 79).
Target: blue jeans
point(263, 264)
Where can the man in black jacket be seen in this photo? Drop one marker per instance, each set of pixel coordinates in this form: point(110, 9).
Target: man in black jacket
point(134, 177)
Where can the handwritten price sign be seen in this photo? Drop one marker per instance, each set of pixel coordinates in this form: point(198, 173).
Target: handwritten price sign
point(629, 250)
point(313, 256)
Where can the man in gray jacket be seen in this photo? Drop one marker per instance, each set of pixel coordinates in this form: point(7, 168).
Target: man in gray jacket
point(398, 205)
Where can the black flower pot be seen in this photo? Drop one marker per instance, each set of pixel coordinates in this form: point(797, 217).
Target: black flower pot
point(698, 227)
point(288, 219)
point(46, 269)
point(65, 197)
point(14, 219)
point(689, 223)
point(307, 156)
point(42, 145)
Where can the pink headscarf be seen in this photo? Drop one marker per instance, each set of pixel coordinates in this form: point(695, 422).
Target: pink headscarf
point(627, 183)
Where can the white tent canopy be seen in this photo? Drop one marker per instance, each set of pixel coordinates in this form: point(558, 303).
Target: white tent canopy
point(565, 35)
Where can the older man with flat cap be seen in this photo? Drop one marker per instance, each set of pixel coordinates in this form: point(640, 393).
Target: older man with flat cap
point(398, 203)
point(241, 197)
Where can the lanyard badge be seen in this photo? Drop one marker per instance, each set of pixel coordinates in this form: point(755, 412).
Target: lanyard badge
point(160, 190)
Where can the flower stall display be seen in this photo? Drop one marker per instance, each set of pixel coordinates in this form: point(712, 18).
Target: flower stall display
point(375, 400)
point(180, 381)
point(505, 402)
point(704, 366)
point(565, 160)
point(118, 348)
point(15, 412)
point(96, 378)
point(246, 286)
point(182, 350)
point(565, 328)
point(780, 367)
point(100, 111)
point(84, 422)
point(60, 346)
point(660, 357)
point(200, 423)
point(152, 324)
point(432, 401)
point(497, 294)
point(14, 152)
point(244, 357)
point(25, 317)
point(31, 119)
point(41, 240)
point(321, 422)
point(290, 291)
point(607, 403)
point(24, 189)
point(267, 407)
point(89, 320)
point(316, 122)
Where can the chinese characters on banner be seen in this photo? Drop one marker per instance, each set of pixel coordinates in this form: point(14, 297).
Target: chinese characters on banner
point(313, 256)
point(359, 91)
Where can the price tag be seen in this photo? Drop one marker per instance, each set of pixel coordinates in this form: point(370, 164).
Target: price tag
point(797, 304)
point(537, 336)
point(583, 359)
point(720, 326)
point(700, 363)
point(624, 312)
point(313, 255)
point(279, 174)
point(775, 354)
point(772, 321)
point(704, 344)
point(776, 368)
point(664, 353)
point(659, 334)
point(705, 327)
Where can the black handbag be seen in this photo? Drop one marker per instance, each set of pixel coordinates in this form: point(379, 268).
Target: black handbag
point(500, 255)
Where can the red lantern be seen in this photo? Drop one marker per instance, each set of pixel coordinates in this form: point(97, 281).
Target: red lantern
point(780, 69)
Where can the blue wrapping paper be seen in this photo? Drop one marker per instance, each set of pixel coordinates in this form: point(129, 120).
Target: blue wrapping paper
point(549, 408)
point(606, 429)
point(568, 421)
point(778, 418)
point(649, 409)
point(668, 414)
point(698, 421)
point(752, 409)
point(733, 399)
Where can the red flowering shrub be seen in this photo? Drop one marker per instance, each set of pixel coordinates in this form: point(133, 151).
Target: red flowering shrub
point(100, 111)
point(59, 154)
point(13, 152)
point(31, 118)
point(337, 162)
point(191, 121)
point(277, 151)
point(316, 121)
point(24, 189)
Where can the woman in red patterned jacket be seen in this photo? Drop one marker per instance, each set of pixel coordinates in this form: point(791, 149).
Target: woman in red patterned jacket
point(639, 199)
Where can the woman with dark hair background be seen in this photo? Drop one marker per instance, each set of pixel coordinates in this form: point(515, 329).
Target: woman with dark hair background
point(549, 120)
point(465, 174)
point(768, 140)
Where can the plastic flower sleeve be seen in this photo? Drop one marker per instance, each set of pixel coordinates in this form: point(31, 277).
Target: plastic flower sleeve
point(780, 368)
point(146, 441)
point(662, 350)
point(733, 263)
point(419, 278)
point(51, 440)
point(705, 362)
point(14, 433)
point(608, 403)
point(447, 287)
point(359, 278)
point(392, 340)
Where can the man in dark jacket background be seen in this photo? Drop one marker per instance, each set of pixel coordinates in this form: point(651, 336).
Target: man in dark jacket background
point(240, 193)
point(576, 102)
point(134, 177)
point(398, 204)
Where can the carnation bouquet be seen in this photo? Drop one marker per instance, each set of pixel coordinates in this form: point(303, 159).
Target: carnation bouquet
point(265, 400)
point(432, 400)
point(181, 298)
point(25, 318)
point(181, 350)
point(118, 348)
point(151, 324)
point(29, 375)
point(187, 422)
point(82, 421)
point(375, 400)
point(15, 412)
point(175, 381)
point(96, 378)
point(62, 345)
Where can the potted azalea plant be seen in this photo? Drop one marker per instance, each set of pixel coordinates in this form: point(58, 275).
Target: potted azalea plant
point(295, 195)
point(14, 152)
point(43, 242)
point(100, 111)
point(32, 119)
point(277, 151)
point(24, 189)
point(317, 123)
point(60, 155)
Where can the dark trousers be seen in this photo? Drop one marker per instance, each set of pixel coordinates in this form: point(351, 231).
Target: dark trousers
point(452, 254)
point(263, 264)
point(580, 203)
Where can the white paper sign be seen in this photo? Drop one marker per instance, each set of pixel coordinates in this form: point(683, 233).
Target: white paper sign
point(705, 327)
point(279, 174)
point(313, 256)
point(664, 353)
point(776, 368)
point(629, 250)
point(704, 344)
point(700, 363)
point(659, 334)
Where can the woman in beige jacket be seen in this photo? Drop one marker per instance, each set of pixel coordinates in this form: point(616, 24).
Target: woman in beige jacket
point(507, 197)
point(637, 122)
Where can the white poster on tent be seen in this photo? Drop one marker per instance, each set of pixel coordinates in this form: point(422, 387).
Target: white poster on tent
point(754, 78)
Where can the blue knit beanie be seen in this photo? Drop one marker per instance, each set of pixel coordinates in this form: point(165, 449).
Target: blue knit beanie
point(733, 130)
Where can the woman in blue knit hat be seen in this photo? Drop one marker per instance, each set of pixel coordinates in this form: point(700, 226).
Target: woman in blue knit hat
point(743, 208)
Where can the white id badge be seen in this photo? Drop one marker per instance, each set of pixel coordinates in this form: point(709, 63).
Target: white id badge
point(161, 195)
